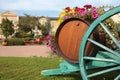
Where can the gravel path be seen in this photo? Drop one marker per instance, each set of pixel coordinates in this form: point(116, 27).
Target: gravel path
point(25, 51)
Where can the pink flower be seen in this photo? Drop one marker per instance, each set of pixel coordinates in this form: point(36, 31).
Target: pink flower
point(83, 13)
point(52, 49)
point(49, 37)
point(95, 15)
point(49, 44)
point(95, 10)
point(65, 17)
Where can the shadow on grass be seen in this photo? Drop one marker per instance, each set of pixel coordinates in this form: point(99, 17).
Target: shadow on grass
point(71, 76)
point(77, 76)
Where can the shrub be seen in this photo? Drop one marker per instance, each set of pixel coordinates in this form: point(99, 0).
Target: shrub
point(27, 39)
point(23, 35)
point(15, 41)
point(113, 28)
point(51, 43)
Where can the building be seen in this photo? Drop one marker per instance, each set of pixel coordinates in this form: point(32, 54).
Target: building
point(116, 18)
point(53, 22)
point(15, 19)
point(10, 16)
point(0, 18)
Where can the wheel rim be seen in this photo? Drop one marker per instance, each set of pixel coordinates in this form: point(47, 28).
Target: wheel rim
point(83, 58)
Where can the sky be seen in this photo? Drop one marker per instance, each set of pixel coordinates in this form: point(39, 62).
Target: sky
point(48, 8)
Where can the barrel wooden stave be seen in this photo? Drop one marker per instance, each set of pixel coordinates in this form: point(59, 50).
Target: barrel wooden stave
point(68, 39)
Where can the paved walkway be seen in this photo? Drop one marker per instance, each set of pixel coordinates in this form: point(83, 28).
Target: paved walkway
point(25, 51)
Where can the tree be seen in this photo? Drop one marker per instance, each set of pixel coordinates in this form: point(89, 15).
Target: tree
point(113, 27)
point(46, 28)
point(7, 27)
point(28, 23)
point(102, 9)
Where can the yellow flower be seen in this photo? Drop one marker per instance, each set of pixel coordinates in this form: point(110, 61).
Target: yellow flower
point(60, 21)
point(62, 14)
point(4, 43)
point(72, 10)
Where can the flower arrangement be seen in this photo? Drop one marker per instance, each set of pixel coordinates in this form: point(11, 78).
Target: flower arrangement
point(87, 12)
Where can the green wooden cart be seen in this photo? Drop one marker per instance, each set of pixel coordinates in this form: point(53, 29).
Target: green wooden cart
point(82, 48)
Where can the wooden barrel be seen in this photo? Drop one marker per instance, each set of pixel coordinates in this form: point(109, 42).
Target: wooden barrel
point(68, 38)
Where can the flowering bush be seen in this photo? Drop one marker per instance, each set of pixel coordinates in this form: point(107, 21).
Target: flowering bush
point(51, 43)
point(88, 12)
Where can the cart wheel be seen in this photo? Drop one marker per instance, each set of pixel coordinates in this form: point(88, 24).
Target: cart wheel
point(85, 60)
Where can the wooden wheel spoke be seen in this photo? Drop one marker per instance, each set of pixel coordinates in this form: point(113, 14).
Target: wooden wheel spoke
point(104, 47)
point(110, 34)
point(117, 78)
point(111, 56)
point(102, 60)
point(103, 71)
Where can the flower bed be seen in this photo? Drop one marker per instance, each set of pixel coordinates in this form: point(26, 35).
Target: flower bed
point(35, 41)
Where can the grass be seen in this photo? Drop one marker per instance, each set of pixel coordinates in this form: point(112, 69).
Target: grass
point(18, 68)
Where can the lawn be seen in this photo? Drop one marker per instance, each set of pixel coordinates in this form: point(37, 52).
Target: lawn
point(18, 68)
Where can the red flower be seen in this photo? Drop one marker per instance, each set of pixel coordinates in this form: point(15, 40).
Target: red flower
point(88, 6)
point(77, 9)
point(67, 9)
point(82, 9)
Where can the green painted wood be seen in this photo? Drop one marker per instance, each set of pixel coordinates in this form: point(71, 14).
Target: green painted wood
point(104, 58)
point(64, 68)
point(67, 67)
point(101, 60)
point(82, 58)
point(117, 78)
point(110, 34)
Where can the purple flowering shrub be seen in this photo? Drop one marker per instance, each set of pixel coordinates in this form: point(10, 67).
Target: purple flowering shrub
point(51, 43)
